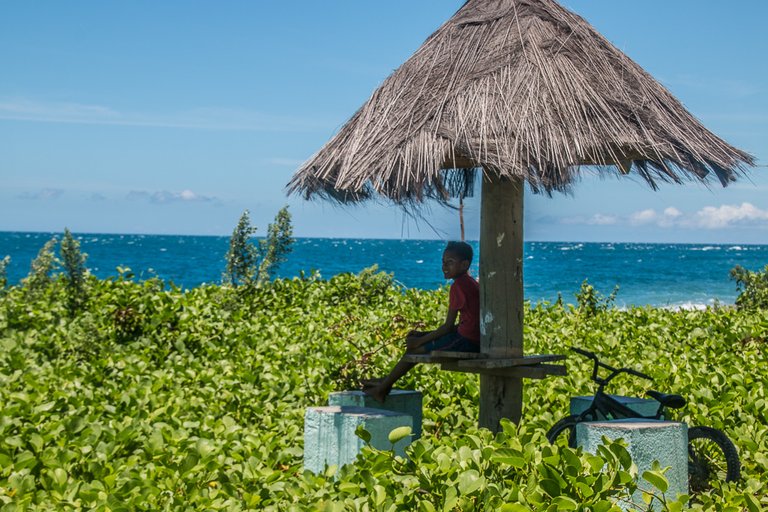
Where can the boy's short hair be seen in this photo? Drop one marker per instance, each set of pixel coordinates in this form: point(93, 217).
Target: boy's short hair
point(461, 249)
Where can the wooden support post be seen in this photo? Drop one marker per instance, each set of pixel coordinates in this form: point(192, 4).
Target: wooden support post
point(501, 296)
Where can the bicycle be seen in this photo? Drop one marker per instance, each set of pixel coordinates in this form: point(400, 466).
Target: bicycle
point(711, 455)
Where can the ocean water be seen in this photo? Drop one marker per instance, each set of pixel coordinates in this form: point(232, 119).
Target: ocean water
point(668, 275)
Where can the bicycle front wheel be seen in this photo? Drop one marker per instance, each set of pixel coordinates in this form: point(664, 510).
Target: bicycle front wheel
point(711, 457)
point(564, 429)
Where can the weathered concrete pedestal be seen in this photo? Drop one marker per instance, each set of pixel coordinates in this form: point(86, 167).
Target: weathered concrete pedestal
point(647, 441)
point(644, 406)
point(330, 439)
point(404, 401)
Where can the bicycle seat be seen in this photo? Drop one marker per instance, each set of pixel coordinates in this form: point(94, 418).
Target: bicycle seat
point(671, 401)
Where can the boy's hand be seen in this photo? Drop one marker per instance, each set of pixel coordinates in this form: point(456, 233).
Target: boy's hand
point(413, 341)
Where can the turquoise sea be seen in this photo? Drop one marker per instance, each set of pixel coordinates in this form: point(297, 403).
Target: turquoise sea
point(674, 275)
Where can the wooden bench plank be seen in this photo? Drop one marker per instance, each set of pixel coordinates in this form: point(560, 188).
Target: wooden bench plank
point(441, 356)
point(537, 371)
point(458, 355)
point(424, 359)
point(509, 362)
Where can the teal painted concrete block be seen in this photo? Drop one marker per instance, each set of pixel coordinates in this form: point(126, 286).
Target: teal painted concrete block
point(644, 406)
point(405, 401)
point(647, 441)
point(329, 434)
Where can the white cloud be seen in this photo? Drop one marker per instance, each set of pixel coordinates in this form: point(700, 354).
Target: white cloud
point(198, 118)
point(709, 217)
point(724, 216)
point(45, 194)
point(188, 195)
point(165, 196)
point(670, 217)
point(599, 219)
point(643, 217)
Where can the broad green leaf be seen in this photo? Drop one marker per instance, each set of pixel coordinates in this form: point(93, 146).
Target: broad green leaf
point(426, 506)
point(470, 481)
point(399, 433)
point(59, 477)
point(550, 486)
point(565, 503)
point(36, 441)
point(363, 434)
point(622, 455)
point(753, 505)
point(509, 457)
point(45, 407)
point(514, 507)
point(656, 479)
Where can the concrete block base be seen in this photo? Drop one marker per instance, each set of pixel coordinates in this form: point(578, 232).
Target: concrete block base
point(648, 441)
point(329, 434)
point(399, 400)
point(644, 406)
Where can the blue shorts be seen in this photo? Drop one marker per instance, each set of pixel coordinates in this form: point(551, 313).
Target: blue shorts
point(452, 342)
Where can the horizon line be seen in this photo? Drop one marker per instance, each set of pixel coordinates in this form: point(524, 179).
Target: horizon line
point(96, 233)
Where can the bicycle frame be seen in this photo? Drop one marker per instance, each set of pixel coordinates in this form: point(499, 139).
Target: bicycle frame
point(604, 406)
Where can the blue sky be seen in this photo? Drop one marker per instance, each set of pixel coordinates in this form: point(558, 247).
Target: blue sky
point(175, 116)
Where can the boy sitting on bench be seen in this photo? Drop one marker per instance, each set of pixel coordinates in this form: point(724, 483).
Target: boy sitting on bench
point(463, 303)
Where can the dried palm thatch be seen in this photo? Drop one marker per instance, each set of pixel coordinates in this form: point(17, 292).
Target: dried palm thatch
point(516, 88)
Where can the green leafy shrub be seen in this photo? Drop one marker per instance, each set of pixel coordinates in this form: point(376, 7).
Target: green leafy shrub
point(42, 266)
point(590, 301)
point(274, 249)
point(249, 264)
point(4, 272)
point(186, 404)
point(752, 287)
point(242, 254)
point(73, 264)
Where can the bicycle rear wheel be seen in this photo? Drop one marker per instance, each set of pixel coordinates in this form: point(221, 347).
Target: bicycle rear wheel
point(565, 429)
point(711, 457)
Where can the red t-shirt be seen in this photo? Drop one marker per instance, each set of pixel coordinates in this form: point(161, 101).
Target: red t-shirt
point(464, 296)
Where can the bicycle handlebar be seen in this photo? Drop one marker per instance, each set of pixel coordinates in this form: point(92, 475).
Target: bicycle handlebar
point(584, 352)
point(614, 371)
point(637, 374)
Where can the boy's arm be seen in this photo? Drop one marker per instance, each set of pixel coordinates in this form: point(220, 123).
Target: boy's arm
point(448, 326)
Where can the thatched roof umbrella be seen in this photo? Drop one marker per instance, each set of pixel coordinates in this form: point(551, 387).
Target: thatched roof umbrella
point(522, 91)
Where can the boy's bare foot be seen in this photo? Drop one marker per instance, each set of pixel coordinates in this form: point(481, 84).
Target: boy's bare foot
point(377, 393)
point(366, 383)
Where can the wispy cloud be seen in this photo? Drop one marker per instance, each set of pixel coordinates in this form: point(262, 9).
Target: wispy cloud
point(669, 217)
point(45, 194)
point(165, 196)
point(709, 218)
point(198, 118)
point(725, 216)
point(643, 217)
point(597, 219)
